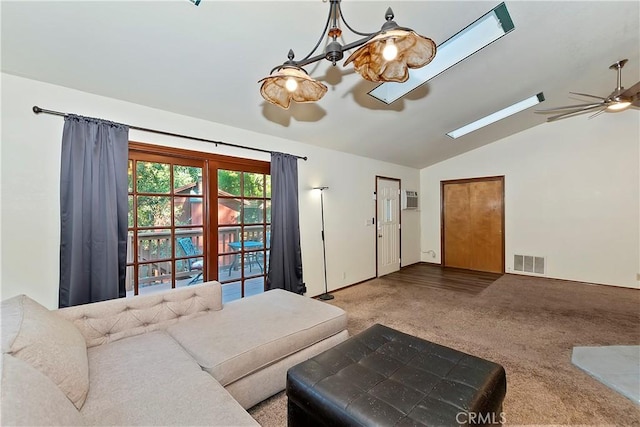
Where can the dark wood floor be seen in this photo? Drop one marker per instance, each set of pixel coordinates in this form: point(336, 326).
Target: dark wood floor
point(437, 277)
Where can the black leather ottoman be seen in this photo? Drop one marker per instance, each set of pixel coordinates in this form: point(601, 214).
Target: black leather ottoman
point(383, 377)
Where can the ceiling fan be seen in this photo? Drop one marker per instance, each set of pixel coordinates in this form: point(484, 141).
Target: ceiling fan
point(619, 100)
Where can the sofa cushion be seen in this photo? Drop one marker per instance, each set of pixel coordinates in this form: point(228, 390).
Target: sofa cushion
point(149, 379)
point(47, 342)
point(254, 332)
point(30, 398)
point(107, 321)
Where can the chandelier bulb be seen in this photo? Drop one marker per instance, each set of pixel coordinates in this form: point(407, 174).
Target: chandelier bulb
point(390, 50)
point(291, 84)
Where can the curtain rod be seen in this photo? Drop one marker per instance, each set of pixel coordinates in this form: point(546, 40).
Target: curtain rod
point(39, 110)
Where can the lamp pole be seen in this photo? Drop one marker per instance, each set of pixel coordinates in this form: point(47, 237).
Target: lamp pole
point(326, 296)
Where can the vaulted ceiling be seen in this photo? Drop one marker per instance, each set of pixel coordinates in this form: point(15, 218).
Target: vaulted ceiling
point(205, 61)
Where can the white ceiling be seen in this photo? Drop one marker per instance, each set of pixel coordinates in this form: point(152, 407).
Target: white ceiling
point(205, 62)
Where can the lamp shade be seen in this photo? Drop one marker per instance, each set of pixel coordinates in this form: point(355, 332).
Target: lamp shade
point(274, 88)
point(414, 51)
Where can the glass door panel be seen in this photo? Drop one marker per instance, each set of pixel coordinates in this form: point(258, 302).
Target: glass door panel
point(154, 245)
point(253, 184)
point(166, 223)
point(243, 208)
point(154, 277)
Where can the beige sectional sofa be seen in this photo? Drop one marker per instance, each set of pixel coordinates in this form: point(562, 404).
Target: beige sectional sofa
point(175, 358)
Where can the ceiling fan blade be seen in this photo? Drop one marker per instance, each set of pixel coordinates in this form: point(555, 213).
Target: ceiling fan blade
point(572, 113)
point(570, 107)
point(633, 93)
point(587, 95)
point(598, 113)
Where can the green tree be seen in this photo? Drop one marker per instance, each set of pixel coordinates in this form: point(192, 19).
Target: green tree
point(229, 181)
point(253, 184)
point(155, 178)
point(154, 210)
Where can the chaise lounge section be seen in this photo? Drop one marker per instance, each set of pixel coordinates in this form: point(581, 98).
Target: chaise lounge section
point(176, 358)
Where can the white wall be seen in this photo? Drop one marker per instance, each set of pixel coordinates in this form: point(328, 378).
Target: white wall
point(30, 188)
point(572, 195)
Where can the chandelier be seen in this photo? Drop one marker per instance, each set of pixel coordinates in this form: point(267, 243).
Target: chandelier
point(383, 56)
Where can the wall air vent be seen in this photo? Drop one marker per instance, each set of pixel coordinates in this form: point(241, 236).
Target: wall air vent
point(409, 199)
point(529, 264)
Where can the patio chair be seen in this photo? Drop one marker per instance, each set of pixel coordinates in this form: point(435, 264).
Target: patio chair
point(190, 250)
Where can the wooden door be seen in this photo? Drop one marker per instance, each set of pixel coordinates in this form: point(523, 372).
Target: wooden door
point(388, 228)
point(473, 224)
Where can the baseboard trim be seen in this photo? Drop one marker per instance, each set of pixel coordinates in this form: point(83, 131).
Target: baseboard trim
point(577, 282)
point(345, 287)
point(435, 264)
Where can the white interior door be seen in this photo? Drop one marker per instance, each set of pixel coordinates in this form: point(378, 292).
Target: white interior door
point(388, 227)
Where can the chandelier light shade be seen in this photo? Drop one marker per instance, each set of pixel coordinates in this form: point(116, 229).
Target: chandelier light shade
point(382, 56)
point(291, 83)
point(412, 51)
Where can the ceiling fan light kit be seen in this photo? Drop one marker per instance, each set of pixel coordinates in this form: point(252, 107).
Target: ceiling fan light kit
point(619, 100)
point(383, 56)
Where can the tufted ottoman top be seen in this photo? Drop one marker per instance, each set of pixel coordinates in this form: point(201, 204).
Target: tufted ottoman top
point(385, 377)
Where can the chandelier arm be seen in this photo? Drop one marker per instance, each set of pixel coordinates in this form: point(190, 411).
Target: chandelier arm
point(321, 56)
point(311, 60)
point(351, 29)
point(358, 43)
point(322, 35)
point(308, 61)
point(298, 64)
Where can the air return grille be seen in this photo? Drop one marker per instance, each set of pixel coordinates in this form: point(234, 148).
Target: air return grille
point(529, 264)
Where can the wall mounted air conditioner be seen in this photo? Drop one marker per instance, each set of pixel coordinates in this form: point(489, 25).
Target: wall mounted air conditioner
point(409, 199)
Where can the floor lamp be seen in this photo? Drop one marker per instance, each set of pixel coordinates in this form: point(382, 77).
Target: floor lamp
point(326, 296)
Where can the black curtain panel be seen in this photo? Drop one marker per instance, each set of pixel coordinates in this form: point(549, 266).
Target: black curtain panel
point(285, 262)
point(93, 210)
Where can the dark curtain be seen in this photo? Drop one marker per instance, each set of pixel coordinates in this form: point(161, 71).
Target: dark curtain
point(93, 210)
point(285, 262)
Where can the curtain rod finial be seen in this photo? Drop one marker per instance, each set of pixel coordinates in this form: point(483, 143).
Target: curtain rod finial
point(37, 109)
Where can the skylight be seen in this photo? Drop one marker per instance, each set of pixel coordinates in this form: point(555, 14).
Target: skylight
point(498, 115)
point(487, 29)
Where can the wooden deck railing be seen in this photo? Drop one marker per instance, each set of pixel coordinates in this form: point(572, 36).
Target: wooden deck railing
point(155, 249)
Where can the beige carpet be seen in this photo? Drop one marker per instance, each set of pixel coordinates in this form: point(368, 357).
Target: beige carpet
point(529, 325)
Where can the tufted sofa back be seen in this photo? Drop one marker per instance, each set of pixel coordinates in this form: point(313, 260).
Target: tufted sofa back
point(107, 321)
